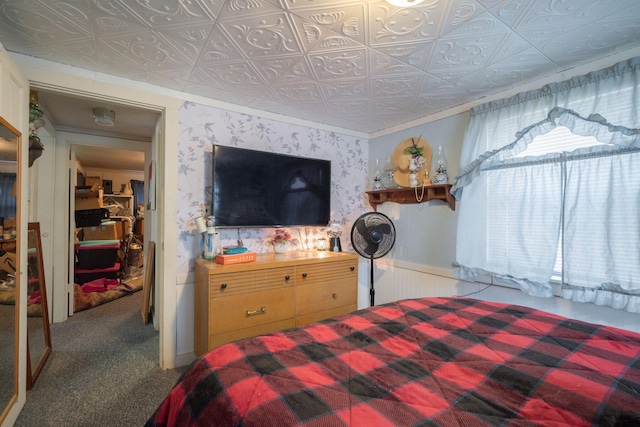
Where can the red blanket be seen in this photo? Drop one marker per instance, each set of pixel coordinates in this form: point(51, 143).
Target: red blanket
point(434, 361)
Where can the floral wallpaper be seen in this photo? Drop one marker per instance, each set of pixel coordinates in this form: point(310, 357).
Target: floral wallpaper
point(202, 126)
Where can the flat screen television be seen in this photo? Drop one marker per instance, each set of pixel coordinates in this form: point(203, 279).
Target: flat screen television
point(260, 189)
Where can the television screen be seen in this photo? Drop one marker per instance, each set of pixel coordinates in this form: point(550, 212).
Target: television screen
point(260, 189)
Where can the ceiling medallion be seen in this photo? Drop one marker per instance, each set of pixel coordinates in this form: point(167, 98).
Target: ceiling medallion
point(405, 3)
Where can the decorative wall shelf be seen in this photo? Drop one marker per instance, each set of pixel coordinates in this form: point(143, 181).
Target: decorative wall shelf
point(408, 195)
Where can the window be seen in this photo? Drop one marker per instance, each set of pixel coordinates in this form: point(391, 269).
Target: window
point(550, 190)
point(586, 199)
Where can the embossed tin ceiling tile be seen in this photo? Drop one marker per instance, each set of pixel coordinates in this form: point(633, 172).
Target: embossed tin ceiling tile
point(188, 41)
point(250, 10)
point(17, 39)
point(514, 45)
point(305, 93)
point(349, 106)
point(288, 69)
point(390, 25)
point(497, 79)
point(529, 61)
point(81, 54)
point(42, 23)
point(111, 62)
point(508, 12)
point(194, 35)
point(459, 78)
point(416, 55)
point(358, 88)
point(464, 52)
point(113, 18)
point(387, 118)
point(428, 103)
point(460, 15)
point(263, 35)
point(169, 13)
point(149, 49)
point(431, 86)
point(567, 13)
point(235, 75)
point(405, 86)
point(391, 105)
point(347, 64)
point(218, 48)
point(344, 20)
point(604, 37)
point(382, 65)
point(543, 39)
point(297, 5)
point(172, 78)
point(199, 77)
point(316, 38)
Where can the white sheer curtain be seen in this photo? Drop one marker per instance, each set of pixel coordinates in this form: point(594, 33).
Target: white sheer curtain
point(518, 210)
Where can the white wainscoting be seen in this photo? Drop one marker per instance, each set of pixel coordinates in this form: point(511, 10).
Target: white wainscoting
point(396, 280)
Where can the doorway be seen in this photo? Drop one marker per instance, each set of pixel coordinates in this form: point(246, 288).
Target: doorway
point(108, 252)
point(70, 127)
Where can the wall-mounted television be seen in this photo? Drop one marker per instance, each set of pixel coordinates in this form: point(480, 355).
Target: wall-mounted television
point(260, 189)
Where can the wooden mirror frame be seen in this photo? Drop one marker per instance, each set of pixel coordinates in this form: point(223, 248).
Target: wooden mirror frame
point(6, 130)
point(35, 274)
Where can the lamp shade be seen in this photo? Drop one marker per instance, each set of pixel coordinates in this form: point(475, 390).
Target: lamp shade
point(104, 117)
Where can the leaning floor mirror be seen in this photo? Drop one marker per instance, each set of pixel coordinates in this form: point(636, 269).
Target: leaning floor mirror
point(38, 331)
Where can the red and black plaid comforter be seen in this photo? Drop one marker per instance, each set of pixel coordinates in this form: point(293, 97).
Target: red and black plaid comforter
point(425, 362)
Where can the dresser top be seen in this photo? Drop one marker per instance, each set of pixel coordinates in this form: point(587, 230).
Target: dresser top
point(272, 260)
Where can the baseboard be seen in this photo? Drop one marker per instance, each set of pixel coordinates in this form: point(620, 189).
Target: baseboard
point(422, 268)
point(185, 359)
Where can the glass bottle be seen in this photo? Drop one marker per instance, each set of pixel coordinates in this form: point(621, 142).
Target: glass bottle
point(377, 182)
point(440, 168)
point(389, 170)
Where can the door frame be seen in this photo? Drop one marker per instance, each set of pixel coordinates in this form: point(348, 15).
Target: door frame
point(44, 75)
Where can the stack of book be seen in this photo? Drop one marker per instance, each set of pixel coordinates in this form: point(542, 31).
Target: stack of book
point(235, 255)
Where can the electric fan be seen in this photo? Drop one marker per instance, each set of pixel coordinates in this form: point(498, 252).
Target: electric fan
point(373, 236)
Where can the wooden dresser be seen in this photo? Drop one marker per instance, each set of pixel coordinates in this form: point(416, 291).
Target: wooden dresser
point(277, 291)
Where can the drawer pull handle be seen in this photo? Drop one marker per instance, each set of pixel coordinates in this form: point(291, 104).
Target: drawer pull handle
point(335, 296)
point(223, 286)
point(262, 310)
point(304, 275)
point(352, 268)
point(287, 277)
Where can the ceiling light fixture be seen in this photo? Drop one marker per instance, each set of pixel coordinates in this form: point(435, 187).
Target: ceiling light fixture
point(104, 117)
point(405, 3)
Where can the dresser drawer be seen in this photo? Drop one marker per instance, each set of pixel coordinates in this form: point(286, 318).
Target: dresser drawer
point(250, 310)
point(225, 337)
point(305, 319)
point(325, 272)
point(223, 285)
point(321, 297)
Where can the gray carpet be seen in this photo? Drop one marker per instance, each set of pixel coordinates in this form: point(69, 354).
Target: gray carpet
point(103, 370)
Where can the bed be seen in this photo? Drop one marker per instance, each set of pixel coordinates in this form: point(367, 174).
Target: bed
point(421, 362)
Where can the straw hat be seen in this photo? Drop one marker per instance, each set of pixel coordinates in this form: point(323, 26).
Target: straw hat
point(402, 161)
